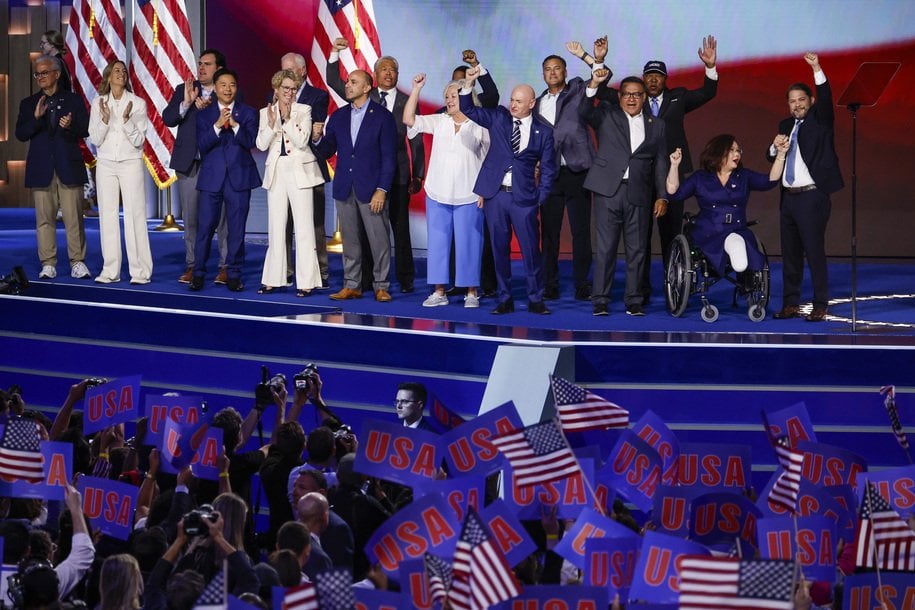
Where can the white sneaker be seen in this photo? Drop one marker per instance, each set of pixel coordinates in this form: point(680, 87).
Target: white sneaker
point(435, 300)
point(47, 273)
point(139, 281)
point(105, 280)
point(471, 301)
point(80, 271)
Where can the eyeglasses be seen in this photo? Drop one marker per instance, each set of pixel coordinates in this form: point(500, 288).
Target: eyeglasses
point(43, 73)
point(401, 401)
point(739, 151)
point(288, 89)
point(632, 94)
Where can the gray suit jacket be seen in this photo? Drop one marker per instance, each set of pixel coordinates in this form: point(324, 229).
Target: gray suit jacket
point(571, 137)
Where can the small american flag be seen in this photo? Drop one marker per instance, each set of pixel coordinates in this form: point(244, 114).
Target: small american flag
point(890, 403)
point(482, 577)
point(302, 597)
point(20, 453)
point(784, 491)
point(883, 535)
point(581, 410)
point(214, 595)
point(538, 454)
point(335, 589)
point(439, 573)
point(725, 583)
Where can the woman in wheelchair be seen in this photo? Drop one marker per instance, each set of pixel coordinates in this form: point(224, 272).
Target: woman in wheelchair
point(722, 188)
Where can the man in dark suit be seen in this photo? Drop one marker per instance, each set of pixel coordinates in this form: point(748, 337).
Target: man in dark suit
point(364, 137)
point(671, 105)
point(54, 122)
point(410, 169)
point(558, 106)
point(409, 403)
point(319, 100)
point(226, 130)
point(521, 145)
point(811, 176)
point(181, 112)
point(630, 165)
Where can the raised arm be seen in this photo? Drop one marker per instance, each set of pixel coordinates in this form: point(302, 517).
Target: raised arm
point(673, 174)
point(409, 109)
point(332, 73)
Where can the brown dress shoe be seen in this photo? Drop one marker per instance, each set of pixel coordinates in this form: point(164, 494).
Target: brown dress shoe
point(788, 311)
point(187, 276)
point(382, 296)
point(817, 315)
point(221, 277)
point(346, 294)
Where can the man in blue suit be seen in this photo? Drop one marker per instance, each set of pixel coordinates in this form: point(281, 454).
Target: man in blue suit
point(364, 137)
point(181, 112)
point(53, 122)
point(521, 151)
point(226, 131)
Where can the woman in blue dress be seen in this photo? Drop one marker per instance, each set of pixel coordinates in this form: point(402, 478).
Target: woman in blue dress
point(722, 188)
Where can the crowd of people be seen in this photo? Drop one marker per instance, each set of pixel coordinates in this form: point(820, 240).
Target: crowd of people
point(582, 149)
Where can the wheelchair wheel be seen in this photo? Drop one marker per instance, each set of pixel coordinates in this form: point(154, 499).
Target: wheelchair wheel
point(679, 280)
point(709, 313)
point(756, 313)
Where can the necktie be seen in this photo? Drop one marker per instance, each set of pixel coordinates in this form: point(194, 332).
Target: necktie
point(227, 125)
point(516, 137)
point(384, 98)
point(654, 106)
point(282, 139)
point(792, 154)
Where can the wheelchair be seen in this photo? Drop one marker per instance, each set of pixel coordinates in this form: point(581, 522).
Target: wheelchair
point(689, 272)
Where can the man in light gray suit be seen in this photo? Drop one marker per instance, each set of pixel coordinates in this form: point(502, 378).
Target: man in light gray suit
point(631, 159)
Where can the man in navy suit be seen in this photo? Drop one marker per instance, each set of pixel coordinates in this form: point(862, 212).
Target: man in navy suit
point(54, 121)
point(811, 176)
point(364, 137)
point(409, 404)
point(630, 166)
point(521, 151)
point(319, 100)
point(226, 130)
point(181, 112)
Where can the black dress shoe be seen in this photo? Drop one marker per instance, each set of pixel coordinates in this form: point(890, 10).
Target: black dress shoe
point(788, 311)
point(551, 293)
point(196, 283)
point(234, 284)
point(538, 307)
point(504, 307)
point(600, 309)
point(583, 292)
point(406, 288)
point(635, 310)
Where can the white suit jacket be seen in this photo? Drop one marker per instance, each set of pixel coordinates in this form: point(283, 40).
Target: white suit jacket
point(296, 132)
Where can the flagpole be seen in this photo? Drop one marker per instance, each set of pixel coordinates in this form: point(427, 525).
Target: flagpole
point(867, 500)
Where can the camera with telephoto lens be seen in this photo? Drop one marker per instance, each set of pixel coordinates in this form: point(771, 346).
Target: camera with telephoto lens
point(263, 392)
point(195, 522)
point(344, 433)
point(14, 283)
point(95, 381)
point(306, 378)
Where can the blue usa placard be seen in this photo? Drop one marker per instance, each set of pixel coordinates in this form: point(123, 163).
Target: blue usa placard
point(467, 449)
point(657, 578)
point(109, 505)
point(180, 409)
point(610, 563)
point(426, 525)
point(589, 525)
point(115, 402)
point(393, 452)
point(58, 470)
point(509, 534)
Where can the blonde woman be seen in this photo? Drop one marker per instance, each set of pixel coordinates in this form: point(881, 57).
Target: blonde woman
point(290, 175)
point(120, 583)
point(117, 127)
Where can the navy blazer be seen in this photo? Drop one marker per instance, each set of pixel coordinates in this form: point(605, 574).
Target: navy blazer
point(648, 164)
point(227, 155)
point(51, 148)
point(570, 134)
point(185, 150)
point(369, 163)
point(525, 190)
point(319, 100)
point(816, 141)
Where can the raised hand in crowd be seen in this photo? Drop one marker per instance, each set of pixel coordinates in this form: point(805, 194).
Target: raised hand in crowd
point(105, 110)
point(127, 111)
point(340, 44)
point(599, 76)
point(709, 51)
point(601, 47)
point(190, 92)
point(469, 57)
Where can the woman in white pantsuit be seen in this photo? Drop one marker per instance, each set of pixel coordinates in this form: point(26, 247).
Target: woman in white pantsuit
point(290, 175)
point(117, 127)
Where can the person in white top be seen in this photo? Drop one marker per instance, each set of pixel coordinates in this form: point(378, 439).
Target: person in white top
point(117, 127)
point(290, 175)
point(452, 209)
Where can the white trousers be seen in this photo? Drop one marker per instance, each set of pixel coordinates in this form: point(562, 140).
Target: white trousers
point(280, 197)
point(123, 181)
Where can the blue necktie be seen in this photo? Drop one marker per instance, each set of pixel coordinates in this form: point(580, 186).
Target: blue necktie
point(792, 154)
point(384, 98)
point(654, 106)
point(516, 137)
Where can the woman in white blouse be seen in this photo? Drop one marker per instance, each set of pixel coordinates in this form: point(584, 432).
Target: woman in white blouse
point(452, 209)
point(290, 175)
point(117, 127)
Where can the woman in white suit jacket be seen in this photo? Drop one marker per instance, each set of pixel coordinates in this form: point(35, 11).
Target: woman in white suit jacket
point(117, 127)
point(290, 175)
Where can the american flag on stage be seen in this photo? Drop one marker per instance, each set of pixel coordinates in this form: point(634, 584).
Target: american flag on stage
point(538, 454)
point(439, 574)
point(20, 453)
point(350, 19)
point(335, 589)
point(883, 535)
point(482, 577)
point(95, 37)
point(302, 597)
point(214, 595)
point(890, 403)
point(725, 583)
point(581, 410)
point(784, 491)
point(163, 59)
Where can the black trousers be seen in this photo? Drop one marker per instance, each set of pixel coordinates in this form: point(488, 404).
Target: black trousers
point(568, 194)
